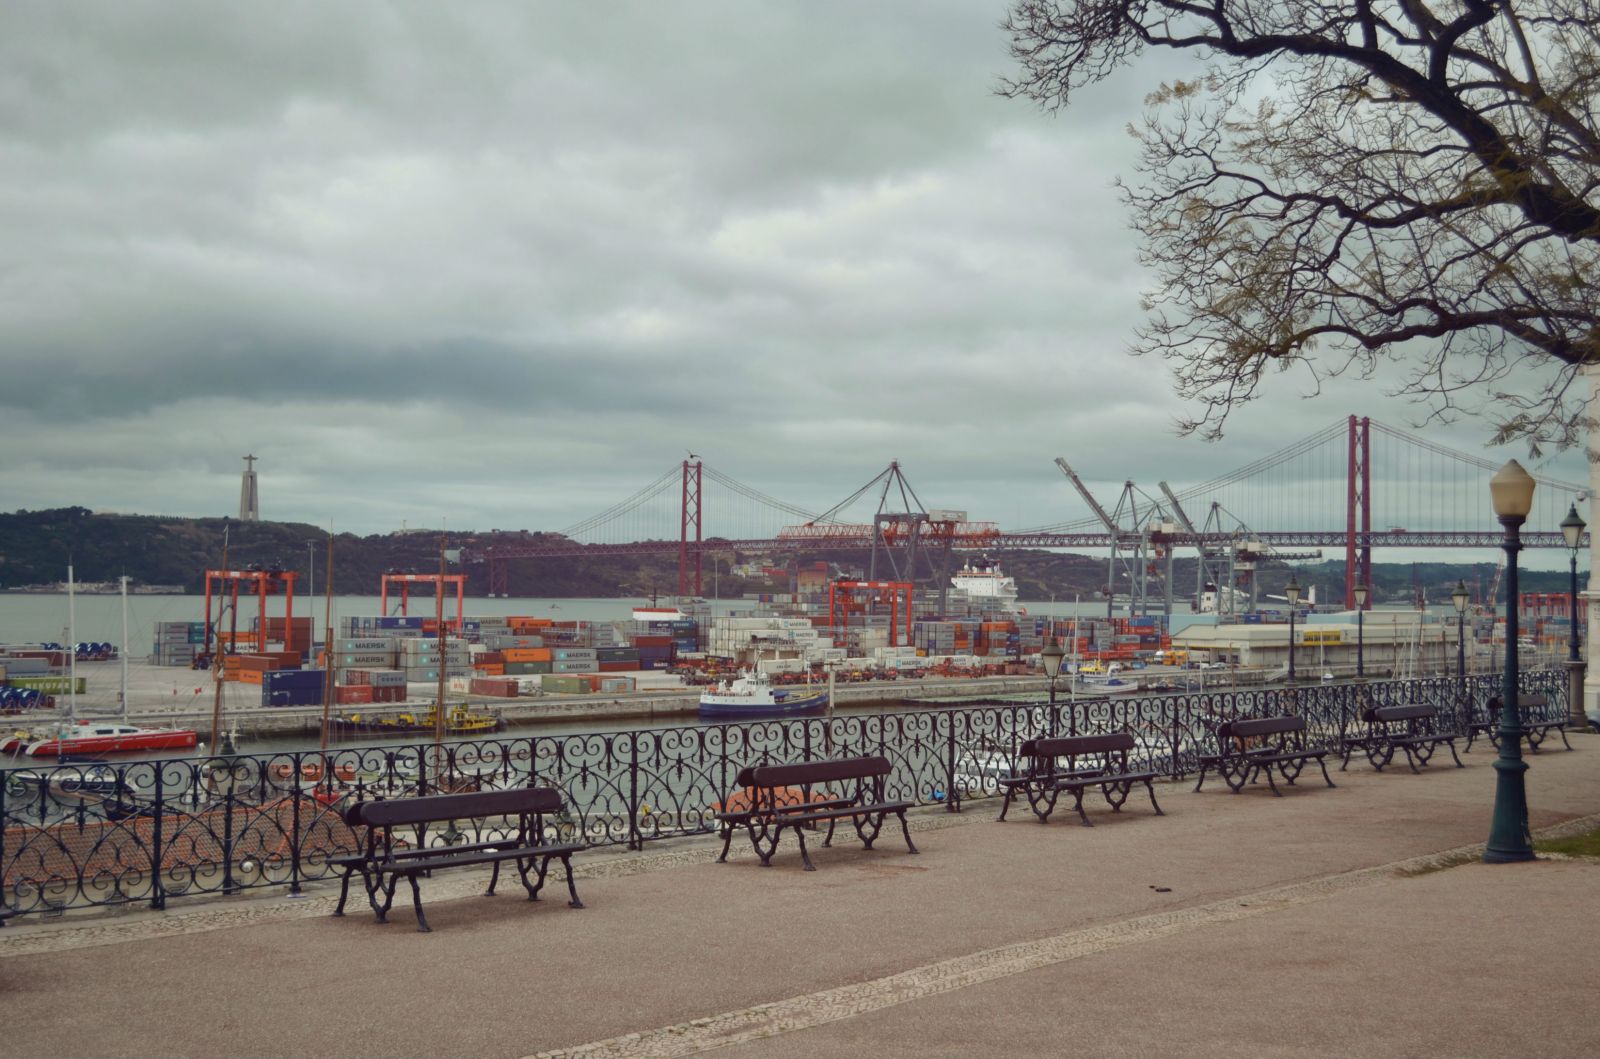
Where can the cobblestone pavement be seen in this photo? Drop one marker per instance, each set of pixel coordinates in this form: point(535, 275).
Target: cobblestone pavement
point(1351, 921)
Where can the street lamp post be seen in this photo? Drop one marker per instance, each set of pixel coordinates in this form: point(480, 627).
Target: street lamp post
point(1572, 528)
point(1361, 592)
point(1051, 656)
point(1460, 597)
point(1512, 492)
point(1291, 592)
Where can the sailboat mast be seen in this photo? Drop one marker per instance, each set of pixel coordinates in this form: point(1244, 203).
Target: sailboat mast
point(327, 647)
point(216, 660)
point(123, 654)
point(438, 609)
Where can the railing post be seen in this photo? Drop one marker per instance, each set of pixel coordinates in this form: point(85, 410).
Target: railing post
point(634, 841)
point(952, 792)
point(158, 892)
point(3, 822)
point(229, 884)
point(294, 841)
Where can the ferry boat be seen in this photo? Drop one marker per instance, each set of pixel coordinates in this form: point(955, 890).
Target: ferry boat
point(752, 695)
point(96, 737)
point(984, 582)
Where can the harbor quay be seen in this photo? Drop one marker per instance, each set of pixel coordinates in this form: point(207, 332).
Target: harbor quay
point(164, 696)
point(1356, 920)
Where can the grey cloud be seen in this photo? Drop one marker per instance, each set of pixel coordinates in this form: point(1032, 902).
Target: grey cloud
point(506, 264)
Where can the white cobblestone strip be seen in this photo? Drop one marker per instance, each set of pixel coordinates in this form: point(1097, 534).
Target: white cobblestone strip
point(844, 1002)
point(78, 929)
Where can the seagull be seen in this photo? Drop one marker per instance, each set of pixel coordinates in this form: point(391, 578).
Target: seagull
point(693, 455)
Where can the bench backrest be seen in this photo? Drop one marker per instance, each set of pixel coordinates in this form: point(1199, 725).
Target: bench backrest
point(1072, 746)
point(1413, 712)
point(435, 807)
point(801, 773)
point(1253, 727)
point(1524, 703)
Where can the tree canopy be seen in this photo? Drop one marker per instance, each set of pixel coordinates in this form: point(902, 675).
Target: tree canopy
point(1344, 183)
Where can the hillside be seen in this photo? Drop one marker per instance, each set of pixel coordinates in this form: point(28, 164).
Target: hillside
point(157, 550)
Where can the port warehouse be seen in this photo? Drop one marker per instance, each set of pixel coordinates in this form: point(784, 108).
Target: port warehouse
point(397, 658)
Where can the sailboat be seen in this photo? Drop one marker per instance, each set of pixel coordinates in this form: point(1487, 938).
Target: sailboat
point(91, 738)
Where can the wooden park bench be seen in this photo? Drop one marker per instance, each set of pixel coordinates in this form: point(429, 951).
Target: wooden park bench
point(1416, 730)
point(1250, 746)
point(1075, 764)
point(1533, 732)
point(395, 844)
point(783, 796)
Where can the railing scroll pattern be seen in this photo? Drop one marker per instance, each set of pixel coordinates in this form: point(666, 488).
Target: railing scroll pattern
point(87, 834)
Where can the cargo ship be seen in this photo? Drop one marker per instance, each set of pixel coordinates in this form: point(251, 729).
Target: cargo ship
point(984, 583)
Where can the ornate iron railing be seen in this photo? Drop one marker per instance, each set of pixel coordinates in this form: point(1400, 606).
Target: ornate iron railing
point(84, 834)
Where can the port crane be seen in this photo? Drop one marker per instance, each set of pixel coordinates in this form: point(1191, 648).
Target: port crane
point(898, 535)
point(1142, 551)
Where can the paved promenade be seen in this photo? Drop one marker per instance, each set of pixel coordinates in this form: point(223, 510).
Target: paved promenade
point(1346, 922)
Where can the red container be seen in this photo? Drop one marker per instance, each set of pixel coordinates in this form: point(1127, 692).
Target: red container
point(352, 694)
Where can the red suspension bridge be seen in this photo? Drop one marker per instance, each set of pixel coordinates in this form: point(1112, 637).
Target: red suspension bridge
point(1354, 486)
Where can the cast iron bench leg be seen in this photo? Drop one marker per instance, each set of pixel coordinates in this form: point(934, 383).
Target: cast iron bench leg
point(1077, 803)
point(572, 889)
point(805, 857)
point(1150, 787)
point(1451, 743)
point(1324, 764)
point(905, 830)
point(416, 902)
point(1045, 796)
point(494, 880)
point(727, 840)
point(344, 889)
point(1006, 805)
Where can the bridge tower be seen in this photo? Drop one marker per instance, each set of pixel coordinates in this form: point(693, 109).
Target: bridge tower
point(499, 578)
point(689, 551)
point(1358, 504)
point(249, 502)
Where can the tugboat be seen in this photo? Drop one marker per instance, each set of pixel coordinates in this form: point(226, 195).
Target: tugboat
point(752, 695)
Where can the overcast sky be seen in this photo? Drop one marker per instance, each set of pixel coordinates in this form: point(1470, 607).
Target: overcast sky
point(504, 264)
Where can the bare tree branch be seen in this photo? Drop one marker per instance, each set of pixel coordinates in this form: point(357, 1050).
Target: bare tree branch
point(1355, 181)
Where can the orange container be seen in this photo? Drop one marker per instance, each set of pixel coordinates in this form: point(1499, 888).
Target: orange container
point(250, 676)
point(526, 654)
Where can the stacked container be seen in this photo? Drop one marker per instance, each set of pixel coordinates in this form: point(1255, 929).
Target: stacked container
point(177, 642)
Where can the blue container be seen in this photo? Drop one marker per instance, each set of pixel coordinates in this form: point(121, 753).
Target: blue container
point(293, 679)
point(399, 623)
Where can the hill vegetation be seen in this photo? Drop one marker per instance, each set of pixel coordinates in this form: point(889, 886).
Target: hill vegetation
point(35, 547)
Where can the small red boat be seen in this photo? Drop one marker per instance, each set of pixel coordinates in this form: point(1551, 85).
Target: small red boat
point(90, 737)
